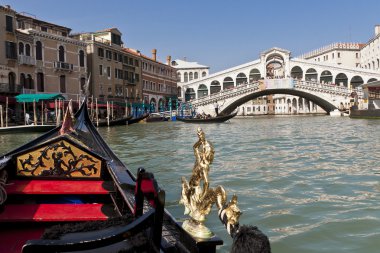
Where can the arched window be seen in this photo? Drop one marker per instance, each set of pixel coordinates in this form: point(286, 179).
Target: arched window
point(190, 76)
point(29, 82)
point(21, 48)
point(356, 81)
point(254, 75)
point(62, 84)
point(83, 84)
point(61, 54)
point(196, 75)
point(202, 91)
point(185, 77)
point(228, 83)
point(204, 73)
point(326, 77)
point(22, 80)
point(311, 75)
point(215, 87)
point(341, 80)
point(39, 50)
point(178, 77)
point(27, 49)
point(12, 82)
point(81, 58)
point(296, 72)
point(241, 79)
point(40, 82)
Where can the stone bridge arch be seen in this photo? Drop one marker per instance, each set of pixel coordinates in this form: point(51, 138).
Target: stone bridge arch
point(325, 105)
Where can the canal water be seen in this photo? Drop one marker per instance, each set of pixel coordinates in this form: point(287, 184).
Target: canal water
point(312, 184)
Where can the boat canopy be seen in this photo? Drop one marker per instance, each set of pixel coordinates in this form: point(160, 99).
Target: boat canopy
point(37, 97)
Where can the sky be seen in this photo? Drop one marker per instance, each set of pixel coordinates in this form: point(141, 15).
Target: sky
point(217, 33)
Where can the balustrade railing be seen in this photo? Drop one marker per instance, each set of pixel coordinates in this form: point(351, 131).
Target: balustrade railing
point(229, 92)
point(63, 66)
point(26, 60)
point(10, 88)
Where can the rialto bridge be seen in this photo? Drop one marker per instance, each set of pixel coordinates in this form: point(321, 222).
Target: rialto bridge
point(325, 85)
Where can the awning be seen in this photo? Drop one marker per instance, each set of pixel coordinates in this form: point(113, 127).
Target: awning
point(37, 97)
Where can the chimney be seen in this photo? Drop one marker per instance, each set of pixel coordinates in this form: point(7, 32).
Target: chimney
point(377, 30)
point(168, 60)
point(154, 54)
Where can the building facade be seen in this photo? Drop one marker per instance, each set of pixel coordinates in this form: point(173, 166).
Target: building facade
point(115, 70)
point(39, 57)
point(159, 83)
point(370, 53)
point(8, 56)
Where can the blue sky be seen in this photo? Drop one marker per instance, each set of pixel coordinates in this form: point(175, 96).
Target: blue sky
point(217, 33)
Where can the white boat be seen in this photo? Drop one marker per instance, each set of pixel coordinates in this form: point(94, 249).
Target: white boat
point(335, 113)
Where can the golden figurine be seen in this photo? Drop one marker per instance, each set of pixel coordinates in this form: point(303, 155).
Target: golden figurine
point(199, 198)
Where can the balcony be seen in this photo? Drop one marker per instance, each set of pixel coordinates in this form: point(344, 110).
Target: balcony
point(6, 88)
point(26, 60)
point(63, 66)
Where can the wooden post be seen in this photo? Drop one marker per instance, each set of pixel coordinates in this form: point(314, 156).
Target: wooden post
point(126, 109)
point(111, 108)
point(108, 113)
point(42, 112)
point(6, 112)
point(34, 112)
point(25, 115)
point(1, 116)
point(56, 112)
point(97, 112)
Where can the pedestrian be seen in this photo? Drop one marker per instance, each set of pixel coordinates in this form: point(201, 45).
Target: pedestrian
point(216, 107)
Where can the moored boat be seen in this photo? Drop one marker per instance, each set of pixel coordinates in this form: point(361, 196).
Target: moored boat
point(370, 109)
point(26, 129)
point(115, 122)
point(137, 119)
point(364, 113)
point(217, 119)
point(67, 191)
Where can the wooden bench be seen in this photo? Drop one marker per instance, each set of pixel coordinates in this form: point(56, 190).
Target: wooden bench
point(52, 212)
point(40, 187)
point(61, 208)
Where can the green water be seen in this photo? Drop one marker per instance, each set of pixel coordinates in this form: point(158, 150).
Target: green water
point(310, 183)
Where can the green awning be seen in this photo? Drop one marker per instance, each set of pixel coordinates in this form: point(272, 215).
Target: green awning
point(37, 97)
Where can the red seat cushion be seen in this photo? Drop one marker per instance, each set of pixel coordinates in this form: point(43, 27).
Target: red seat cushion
point(57, 187)
point(52, 212)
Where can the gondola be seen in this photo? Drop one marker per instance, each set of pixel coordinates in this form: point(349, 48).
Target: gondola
point(66, 191)
point(137, 119)
point(116, 122)
point(218, 119)
point(26, 129)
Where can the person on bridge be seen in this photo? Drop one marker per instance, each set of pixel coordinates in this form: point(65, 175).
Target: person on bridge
point(216, 107)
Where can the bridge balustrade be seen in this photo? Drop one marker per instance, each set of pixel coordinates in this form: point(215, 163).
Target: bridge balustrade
point(223, 94)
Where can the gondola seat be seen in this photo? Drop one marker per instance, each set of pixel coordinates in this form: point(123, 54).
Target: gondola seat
point(149, 218)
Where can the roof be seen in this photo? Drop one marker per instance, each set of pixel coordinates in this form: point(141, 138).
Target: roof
point(188, 65)
point(38, 97)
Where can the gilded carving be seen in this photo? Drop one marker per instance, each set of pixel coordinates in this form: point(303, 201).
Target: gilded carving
point(59, 159)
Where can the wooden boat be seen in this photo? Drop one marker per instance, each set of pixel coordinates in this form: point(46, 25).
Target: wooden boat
point(364, 113)
point(116, 122)
point(137, 119)
point(156, 118)
point(66, 191)
point(218, 119)
point(26, 129)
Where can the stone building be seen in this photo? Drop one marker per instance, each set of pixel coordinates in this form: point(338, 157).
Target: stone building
point(370, 53)
point(39, 57)
point(159, 82)
point(115, 70)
